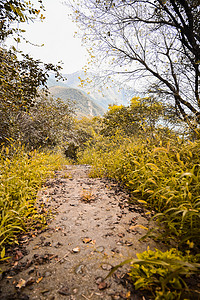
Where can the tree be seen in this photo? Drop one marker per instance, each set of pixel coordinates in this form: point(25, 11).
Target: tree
point(21, 80)
point(142, 117)
point(83, 130)
point(157, 41)
point(17, 11)
point(47, 124)
point(120, 120)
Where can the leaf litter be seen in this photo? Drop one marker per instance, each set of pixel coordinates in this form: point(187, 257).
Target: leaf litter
point(88, 233)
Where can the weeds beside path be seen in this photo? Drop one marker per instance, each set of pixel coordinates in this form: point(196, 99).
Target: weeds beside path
point(93, 229)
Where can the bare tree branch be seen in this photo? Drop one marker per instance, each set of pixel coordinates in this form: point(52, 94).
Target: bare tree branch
point(148, 38)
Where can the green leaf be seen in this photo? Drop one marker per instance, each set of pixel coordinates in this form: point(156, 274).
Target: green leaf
point(3, 252)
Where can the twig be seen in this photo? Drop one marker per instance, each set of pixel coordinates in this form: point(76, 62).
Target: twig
point(85, 297)
point(62, 258)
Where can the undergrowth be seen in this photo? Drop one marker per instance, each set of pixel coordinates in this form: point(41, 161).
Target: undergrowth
point(21, 175)
point(163, 175)
point(165, 275)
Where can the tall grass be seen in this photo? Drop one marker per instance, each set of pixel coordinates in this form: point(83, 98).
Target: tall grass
point(164, 176)
point(21, 175)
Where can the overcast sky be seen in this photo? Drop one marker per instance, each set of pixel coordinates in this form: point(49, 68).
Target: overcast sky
point(56, 32)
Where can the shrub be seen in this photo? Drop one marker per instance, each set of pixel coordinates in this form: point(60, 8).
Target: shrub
point(21, 175)
point(164, 274)
point(164, 176)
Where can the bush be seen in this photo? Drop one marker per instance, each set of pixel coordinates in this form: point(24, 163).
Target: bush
point(164, 176)
point(164, 274)
point(22, 174)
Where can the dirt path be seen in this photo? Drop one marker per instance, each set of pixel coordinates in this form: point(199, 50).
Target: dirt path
point(93, 229)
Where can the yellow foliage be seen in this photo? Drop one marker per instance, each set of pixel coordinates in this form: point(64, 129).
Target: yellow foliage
point(22, 174)
point(115, 108)
point(135, 101)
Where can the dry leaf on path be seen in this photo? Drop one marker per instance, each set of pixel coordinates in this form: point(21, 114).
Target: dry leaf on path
point(39, 279)
point(21, 283)
point(87, 240)
point(76, 250)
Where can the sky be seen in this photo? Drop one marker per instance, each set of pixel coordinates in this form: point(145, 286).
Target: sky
point(56, 32)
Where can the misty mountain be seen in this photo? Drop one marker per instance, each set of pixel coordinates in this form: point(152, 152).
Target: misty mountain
point(109, 94)
point(83, 105)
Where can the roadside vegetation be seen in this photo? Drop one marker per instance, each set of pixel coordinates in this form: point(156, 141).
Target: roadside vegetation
point(22, 174)
point(33, 127)
point(151, 147)
point(160, 168)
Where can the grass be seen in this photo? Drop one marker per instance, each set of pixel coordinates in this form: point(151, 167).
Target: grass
point(165, 177)
point(163, 274)
point(21, 175)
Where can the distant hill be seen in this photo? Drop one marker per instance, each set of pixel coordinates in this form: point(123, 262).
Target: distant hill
point(113, 93)
point(84, 106)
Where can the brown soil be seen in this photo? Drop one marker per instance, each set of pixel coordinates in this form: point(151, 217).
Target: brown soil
point(93, 228)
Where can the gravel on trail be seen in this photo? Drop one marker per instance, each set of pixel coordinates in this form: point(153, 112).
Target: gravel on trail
point(92, 229)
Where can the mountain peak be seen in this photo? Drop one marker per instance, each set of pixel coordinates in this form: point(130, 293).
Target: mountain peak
point(103, 97)
point(83, 105)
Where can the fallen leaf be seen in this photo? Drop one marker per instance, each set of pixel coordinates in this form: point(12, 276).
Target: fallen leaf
point(21, 283)
point(64, 291)
point(128, 294)
point(36, 247)
point(76, 250)
point(98, 280)
point(39, 279)
point(18, 255)
point(93, 242)
point(133, 227)
point(30, 281)
point(121, 235)
point(102, 285)
point(127, 243)
point(138, 225)
point(87, 240)
point(44, 291)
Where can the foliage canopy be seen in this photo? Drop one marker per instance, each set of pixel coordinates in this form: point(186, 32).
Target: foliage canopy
point(155, 41)
point(17, 11)
point(22, 78)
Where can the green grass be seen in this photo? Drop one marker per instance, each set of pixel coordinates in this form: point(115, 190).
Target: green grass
point(165, 275)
